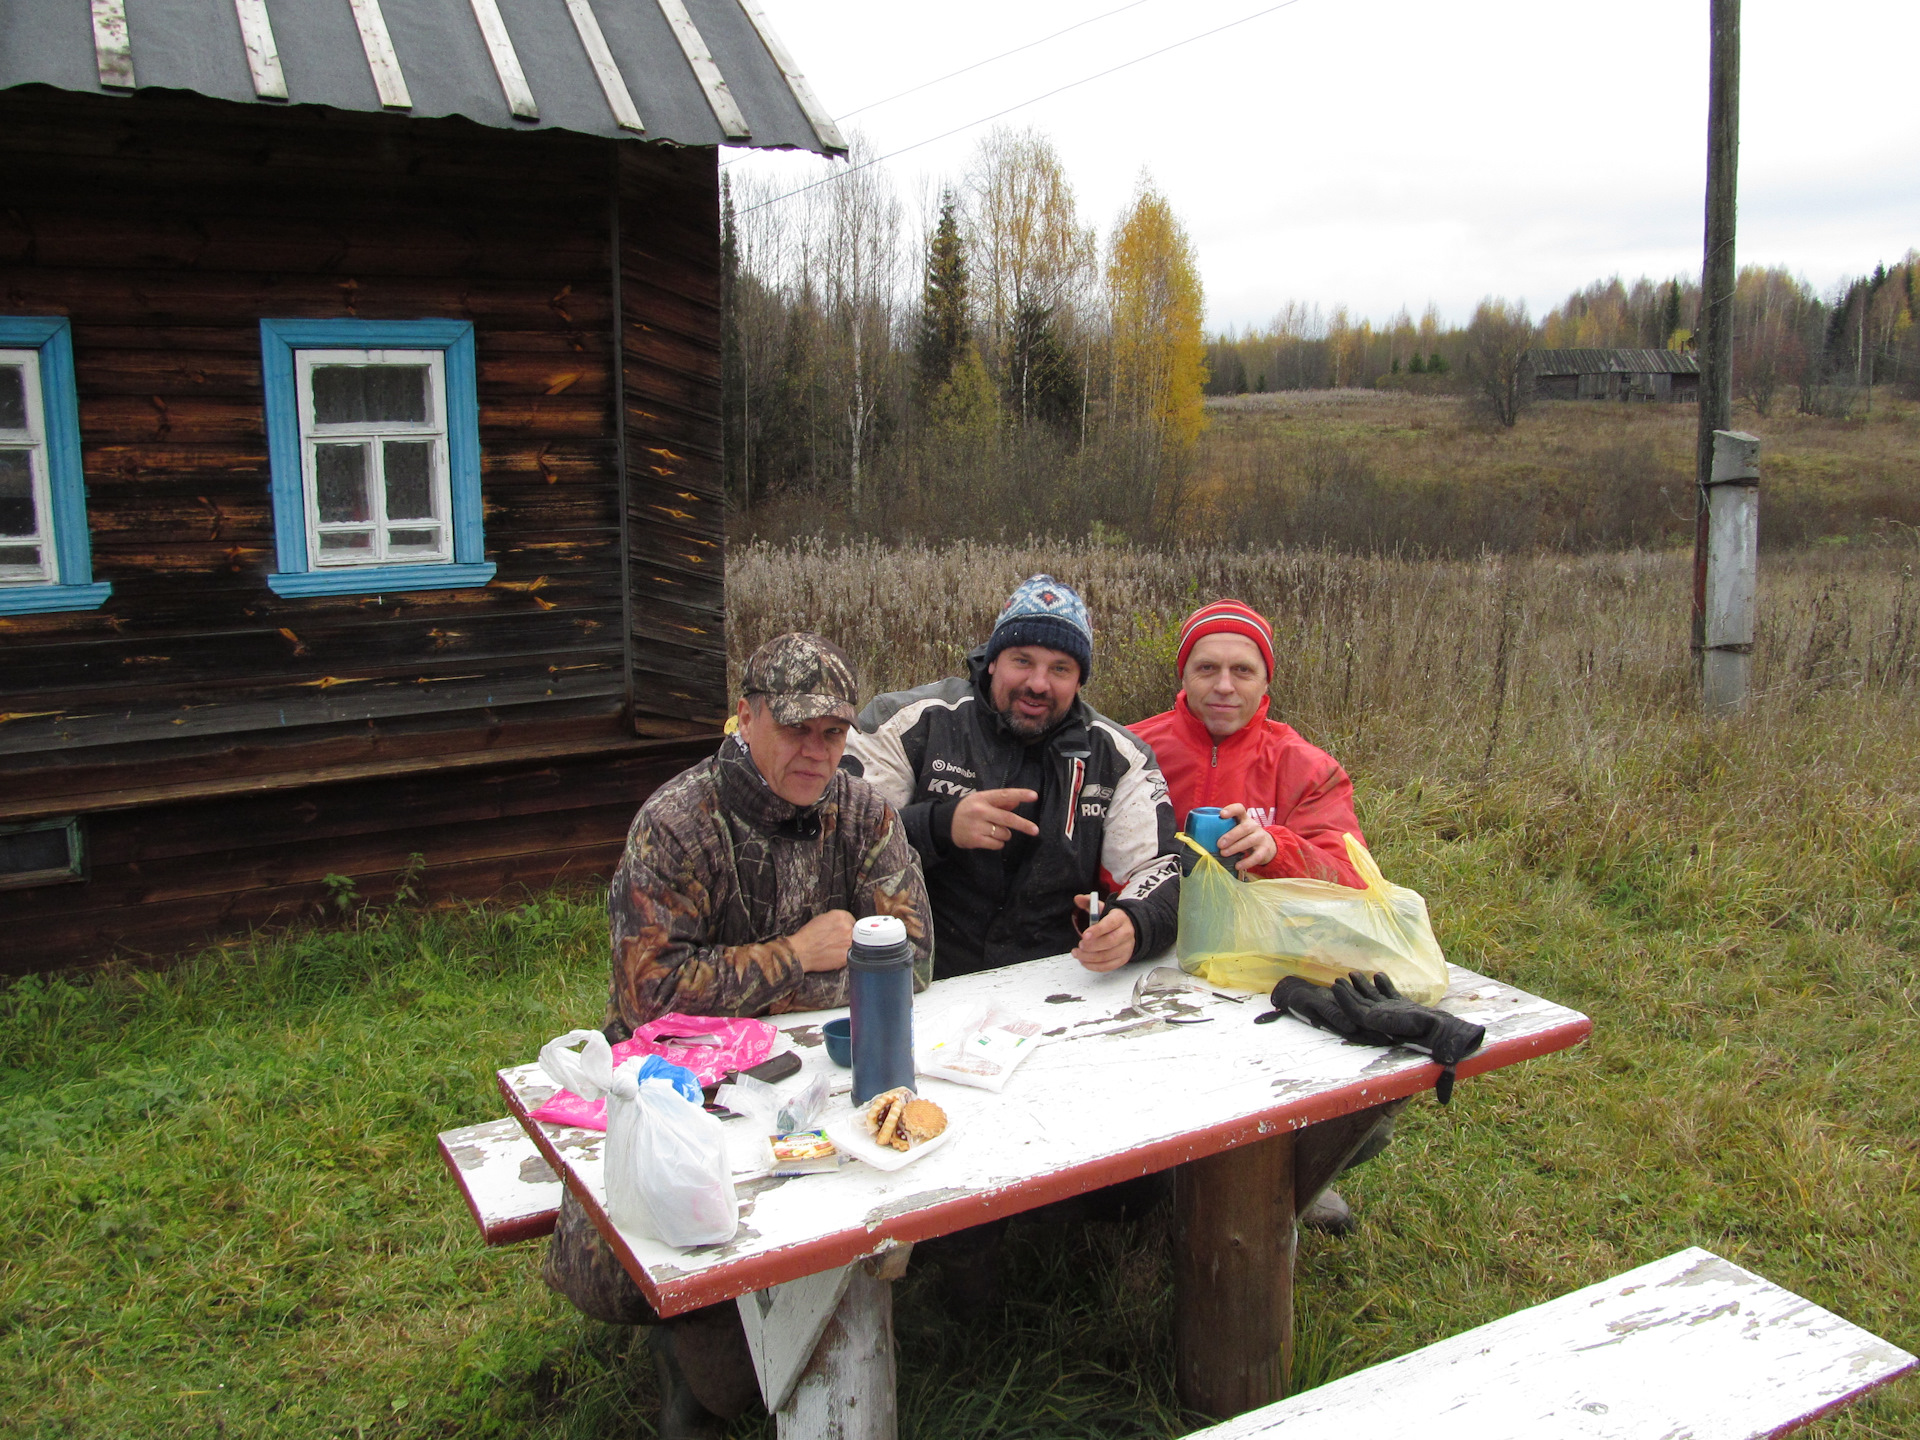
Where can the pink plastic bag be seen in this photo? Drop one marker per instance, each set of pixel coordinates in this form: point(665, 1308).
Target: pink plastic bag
point(743, 1043)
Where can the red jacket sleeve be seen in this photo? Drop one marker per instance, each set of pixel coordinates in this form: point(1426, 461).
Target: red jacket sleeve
point(1312, 838)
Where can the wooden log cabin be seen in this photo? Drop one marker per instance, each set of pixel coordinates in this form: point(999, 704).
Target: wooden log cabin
point(359, 444)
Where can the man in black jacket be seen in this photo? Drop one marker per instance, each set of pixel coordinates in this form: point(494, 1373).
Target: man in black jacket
point(1022, 800)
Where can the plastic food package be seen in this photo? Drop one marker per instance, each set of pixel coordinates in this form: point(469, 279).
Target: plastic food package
point(805, 1152)
point(1251, 934)
point(666, 1164)
point(758, 1101)
point(803, 1107)
point(991, 1041)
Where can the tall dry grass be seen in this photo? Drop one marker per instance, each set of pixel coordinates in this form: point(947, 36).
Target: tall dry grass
point(1553, 691)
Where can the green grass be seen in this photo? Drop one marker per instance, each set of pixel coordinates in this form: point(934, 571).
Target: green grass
point(226, 1215)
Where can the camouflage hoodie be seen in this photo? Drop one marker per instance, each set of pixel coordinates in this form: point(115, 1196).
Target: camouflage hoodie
point(719, 870)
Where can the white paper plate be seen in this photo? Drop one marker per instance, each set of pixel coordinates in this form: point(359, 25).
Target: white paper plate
point(848, 1130)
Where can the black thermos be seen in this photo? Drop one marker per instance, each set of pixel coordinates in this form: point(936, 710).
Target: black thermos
point(880, 1000)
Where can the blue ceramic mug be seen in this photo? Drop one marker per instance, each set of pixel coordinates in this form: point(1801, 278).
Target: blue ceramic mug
point(1205, 826)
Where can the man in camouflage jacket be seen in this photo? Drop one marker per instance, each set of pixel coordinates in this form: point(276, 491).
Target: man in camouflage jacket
point(736, 896)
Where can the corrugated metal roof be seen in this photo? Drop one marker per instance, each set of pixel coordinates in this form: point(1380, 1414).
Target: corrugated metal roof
point(694, 72)
point(1612, 362)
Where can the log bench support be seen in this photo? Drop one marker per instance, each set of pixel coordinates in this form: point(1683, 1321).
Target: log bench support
point(1233, 1277)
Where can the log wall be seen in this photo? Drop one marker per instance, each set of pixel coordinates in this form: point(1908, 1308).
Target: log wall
point(227, 746)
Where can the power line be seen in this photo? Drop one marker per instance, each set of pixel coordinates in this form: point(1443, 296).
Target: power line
point(991, 59)
point(967, 69)
point(1034, 100)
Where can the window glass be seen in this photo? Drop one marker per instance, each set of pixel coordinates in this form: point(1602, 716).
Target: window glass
point(358, 394)
point(340, 475)
point(17, 511)
point(409, 465)
point(25, 535)
point(13, 398)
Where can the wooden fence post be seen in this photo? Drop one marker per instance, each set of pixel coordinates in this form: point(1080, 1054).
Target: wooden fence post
point(1733, 569)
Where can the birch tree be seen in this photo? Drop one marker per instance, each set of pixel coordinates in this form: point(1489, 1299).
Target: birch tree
point(857, 268)
point(1032, 259)
point(1154, 298)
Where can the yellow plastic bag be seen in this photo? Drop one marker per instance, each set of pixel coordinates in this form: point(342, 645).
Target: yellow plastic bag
point(1250, 934)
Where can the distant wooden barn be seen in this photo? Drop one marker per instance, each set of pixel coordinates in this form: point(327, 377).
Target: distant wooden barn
point(359, 443)
point(1614, 374)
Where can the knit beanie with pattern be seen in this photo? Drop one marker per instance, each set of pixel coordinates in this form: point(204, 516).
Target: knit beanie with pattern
point(1045, 612)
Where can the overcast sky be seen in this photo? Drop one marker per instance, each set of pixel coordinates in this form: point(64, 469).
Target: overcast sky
point(1384, 153)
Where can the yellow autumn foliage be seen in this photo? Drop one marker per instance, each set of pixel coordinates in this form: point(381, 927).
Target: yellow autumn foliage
point(1159, 354)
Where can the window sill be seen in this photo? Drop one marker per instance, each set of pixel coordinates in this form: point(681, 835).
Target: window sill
point(380, 579)
point(40, 599)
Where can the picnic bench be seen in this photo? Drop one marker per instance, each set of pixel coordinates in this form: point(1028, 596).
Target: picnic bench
point(1689, 1346)
point(1257, 1120)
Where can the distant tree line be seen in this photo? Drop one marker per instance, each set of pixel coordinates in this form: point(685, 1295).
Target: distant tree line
point(1822, 354)
point(988, 367)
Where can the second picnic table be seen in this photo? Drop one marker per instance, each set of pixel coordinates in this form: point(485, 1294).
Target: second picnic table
point(1257, 1118)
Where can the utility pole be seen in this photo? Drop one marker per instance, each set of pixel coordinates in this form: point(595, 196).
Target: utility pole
point(1716, 283)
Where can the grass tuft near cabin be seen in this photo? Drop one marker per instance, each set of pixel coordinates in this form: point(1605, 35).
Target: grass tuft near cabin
point(225, 1214)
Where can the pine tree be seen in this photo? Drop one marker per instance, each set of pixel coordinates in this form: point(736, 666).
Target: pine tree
point(1043, 379)
point(1416, 366)
point(945, 313)
point(1670, 320)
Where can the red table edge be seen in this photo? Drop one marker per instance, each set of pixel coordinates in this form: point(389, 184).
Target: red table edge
point(506, 1232)
point(773, 1267)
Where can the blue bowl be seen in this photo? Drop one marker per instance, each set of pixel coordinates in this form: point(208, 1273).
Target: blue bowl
point(839, 1035)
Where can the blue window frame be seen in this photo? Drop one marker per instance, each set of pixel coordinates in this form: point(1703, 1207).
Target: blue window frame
point(46, 562)
point(373, 436)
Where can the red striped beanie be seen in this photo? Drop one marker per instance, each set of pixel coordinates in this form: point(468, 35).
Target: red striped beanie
point(1225, 617)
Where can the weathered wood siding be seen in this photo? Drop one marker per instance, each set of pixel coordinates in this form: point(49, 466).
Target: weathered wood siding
point(231, 746)
point(669, 295)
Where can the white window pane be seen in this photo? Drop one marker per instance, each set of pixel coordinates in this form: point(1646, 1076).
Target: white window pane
point(346, 541)
point(12, 556)
point(414, 539)
point(409, 466)
point(357, 394)
point(17, 513)
point(340, 477)
point(13, 398)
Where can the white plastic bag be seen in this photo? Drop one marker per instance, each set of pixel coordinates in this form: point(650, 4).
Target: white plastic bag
point(678, 1168)
point(668, 1174)
point(985, 1049)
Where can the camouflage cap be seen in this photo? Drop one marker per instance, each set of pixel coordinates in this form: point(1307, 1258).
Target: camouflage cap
point(803, 677)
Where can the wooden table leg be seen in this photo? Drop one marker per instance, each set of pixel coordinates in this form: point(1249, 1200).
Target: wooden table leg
point(847, 1389)
point(1233, 1277)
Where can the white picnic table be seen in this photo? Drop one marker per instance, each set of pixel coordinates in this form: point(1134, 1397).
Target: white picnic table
point(1258, 1118)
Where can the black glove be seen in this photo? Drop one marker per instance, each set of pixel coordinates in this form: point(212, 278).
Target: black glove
point(1372, 1012)
point(1314, 1004)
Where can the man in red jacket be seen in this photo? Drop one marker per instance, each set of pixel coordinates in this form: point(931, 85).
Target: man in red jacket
point(1217, 747)
point(1293, 802)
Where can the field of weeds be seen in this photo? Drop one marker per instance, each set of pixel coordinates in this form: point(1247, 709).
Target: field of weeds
point(1381, 472)
point(227, 1217)
point(1374, 471)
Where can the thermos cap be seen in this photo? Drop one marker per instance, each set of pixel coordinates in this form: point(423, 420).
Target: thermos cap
point(880, 931)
